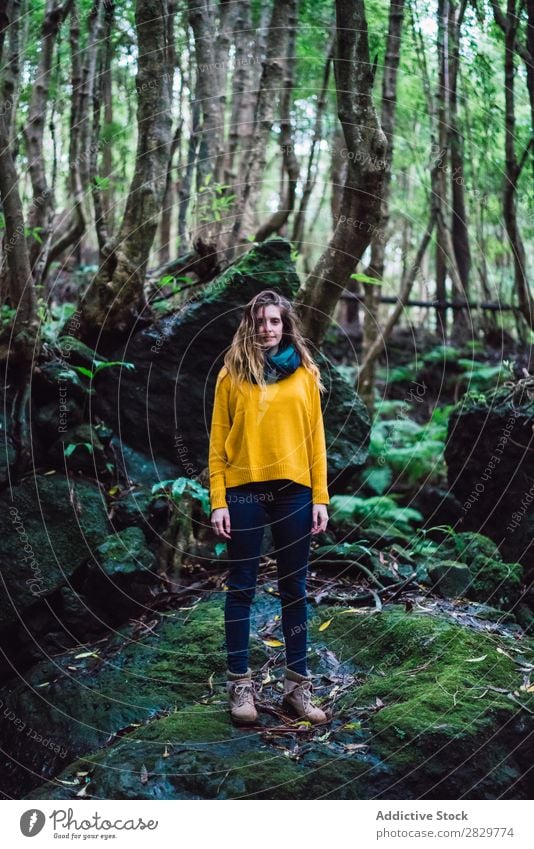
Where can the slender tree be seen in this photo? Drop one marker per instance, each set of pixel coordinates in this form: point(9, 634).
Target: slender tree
point(363, 189)
point(375, 269)
point(115, 299)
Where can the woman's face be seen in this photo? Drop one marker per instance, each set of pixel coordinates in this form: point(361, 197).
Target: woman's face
point(269, 326)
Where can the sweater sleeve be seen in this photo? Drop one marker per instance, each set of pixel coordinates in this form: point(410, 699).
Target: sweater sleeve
point(319, 466)
point(220, 427)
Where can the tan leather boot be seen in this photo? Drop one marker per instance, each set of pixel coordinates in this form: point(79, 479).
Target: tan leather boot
point(297, 697)
point(241, 690)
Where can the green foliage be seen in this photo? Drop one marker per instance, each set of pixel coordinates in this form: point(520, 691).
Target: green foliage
point(364, 278)
point(479, 376)
point(102, 183)
point(172, 281)
point(368, 512)
point(72, 446)
point(215, 200)
point(175, 489)
point(412, 452)
point(7, 315)
point(377, 479)
point(99, 366)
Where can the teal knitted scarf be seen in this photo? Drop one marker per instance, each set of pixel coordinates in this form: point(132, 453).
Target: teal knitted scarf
point(282, 364)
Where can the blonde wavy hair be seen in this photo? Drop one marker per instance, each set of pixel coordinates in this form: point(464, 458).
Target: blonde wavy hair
point(245, 357)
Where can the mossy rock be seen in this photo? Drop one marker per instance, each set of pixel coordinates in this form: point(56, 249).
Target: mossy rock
point(80, 703)
point(49, 525)
point(77, 353)
point(494, 500)
point(432, 708)
point(446, 711)
point(450, 578)
point(492, 581)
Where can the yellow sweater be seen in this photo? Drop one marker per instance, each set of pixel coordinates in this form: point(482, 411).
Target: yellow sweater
point(267, 434)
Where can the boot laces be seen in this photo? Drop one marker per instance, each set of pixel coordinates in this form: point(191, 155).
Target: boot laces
point(245, 691)
point(306, 690)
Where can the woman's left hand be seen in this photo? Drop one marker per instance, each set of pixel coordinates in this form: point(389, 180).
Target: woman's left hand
point(320, 518)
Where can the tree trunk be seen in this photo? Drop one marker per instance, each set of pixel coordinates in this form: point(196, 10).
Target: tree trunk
point(513, 172)
point(210, 94)
point(375, 269)
point(290, 165)
point(311, 175)
point(168, 197)
point(104, 209)
point(439, 185)
point(70, 225)
point(40, 214)
point(338, 172)
point(244, 51)
point(115, 300)
point(362, 192)
point(18, 342)
point(462, 327)
point(266, 110)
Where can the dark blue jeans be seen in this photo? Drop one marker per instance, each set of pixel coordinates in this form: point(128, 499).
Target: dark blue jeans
point(287, 507)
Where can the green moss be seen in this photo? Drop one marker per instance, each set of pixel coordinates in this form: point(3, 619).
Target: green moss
point(204, 723)
point(432, 676)
point(188, 651)
point(267, 775)
point(495, 582)
point(492, 581)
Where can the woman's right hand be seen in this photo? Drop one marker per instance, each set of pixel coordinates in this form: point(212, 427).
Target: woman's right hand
point(220, 522)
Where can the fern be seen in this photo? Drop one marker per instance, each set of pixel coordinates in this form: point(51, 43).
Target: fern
point(347, 509)
point(175, 489)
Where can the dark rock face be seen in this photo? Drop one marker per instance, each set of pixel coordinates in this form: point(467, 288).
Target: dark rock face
point(490, 580)
point(50, 525)
point(64, 577)
point(451, 578)
point(490, 459)
point(119, 577)
point(163, 406)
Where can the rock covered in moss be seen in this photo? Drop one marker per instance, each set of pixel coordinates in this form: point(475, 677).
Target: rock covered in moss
point(121, 575)
point(50, 525)
point(80, 450)
point(428, 716)
point(492, 581)
point(486, 439)
point(450, 578)
point(81, 699)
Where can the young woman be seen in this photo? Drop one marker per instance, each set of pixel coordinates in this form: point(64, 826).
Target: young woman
point(267, 464)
